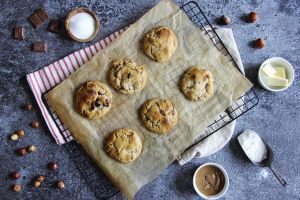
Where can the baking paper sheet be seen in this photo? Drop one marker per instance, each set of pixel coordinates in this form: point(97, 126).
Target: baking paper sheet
point(158, 152)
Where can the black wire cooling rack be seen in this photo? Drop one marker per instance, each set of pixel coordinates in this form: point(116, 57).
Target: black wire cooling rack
point(97, 181)
point(245, 102)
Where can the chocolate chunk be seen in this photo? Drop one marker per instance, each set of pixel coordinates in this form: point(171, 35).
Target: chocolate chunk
point(35, 20)
point(39, 47)
point(38, 18)
point(55, 26)
point(42, 14)
point(19, 33)
point(97, 103)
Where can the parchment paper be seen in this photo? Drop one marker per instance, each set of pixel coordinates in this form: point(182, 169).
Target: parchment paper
point(163, 80)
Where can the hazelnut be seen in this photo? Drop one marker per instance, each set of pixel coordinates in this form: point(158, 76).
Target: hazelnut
point(36, 184)
point(21, 151)
point(28, 106)
point(31, 148)
point(61, 185)
point(40, 178)
point(15, 175)
point(252, 17)
point(14, 137)
point(16, 187)
point(21, 133)
point(224, 20)
point(53, 166)
point(260, 43)
point(35, 124)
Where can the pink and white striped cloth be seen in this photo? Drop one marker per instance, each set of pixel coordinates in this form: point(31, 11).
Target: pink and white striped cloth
point(45, 79)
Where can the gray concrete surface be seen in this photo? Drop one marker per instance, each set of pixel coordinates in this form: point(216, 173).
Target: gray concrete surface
point(276, 118)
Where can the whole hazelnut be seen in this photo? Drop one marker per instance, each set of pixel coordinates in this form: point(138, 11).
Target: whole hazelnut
point(28, 106)
point(14, 137)
point(21, 151)
point(31, 148)
point(36, 184)
point(224, 20)
point(252, 17)
point(16, 187)
point(61, 185)
point(35, 124)
point(260, 43)
point(53, 166)
point(40, 178)
point(15, 175)
point(21, 133)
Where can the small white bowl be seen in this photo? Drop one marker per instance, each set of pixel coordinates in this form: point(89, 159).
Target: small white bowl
point(223, 191)
point(276, 61)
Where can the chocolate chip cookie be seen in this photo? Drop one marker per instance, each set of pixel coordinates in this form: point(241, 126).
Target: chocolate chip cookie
point(197, 84)
point(124, 145)
point(93, 99)
point(126, 76)
point(159, 115)
point(160, 44)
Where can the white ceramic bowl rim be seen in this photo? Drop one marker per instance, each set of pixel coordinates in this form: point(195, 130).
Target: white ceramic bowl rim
point(223, 191)
point(287, 66)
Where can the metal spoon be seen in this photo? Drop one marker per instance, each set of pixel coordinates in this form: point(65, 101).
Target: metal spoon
point(268, 163)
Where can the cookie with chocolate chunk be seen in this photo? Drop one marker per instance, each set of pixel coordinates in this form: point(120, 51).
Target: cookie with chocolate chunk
point(159, 115)
point(197, 84)
point(160, 44)
point(126, 76)
point(93, 99)
point(124, 145)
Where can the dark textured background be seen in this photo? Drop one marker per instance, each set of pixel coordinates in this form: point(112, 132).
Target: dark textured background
point(276, 118)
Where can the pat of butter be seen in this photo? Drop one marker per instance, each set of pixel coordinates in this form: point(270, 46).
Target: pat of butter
point(269, 70)
point(280, 72)
point(277, 81)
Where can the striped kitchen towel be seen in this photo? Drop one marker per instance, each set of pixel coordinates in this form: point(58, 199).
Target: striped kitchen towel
point(45, 79)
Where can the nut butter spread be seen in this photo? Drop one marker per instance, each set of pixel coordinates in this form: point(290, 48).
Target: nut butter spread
point(210, 180)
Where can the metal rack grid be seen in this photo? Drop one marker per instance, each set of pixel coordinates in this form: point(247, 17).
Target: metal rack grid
point(245, 102)
point(97, 181)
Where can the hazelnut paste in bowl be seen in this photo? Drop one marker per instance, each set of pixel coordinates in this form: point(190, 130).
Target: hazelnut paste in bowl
point(211, 181)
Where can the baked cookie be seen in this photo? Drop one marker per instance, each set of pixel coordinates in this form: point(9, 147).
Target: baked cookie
point(160, 44)
point(124, 145)
point(93, 99)
point(197, 84)
point(159, 115)
point(126, 76)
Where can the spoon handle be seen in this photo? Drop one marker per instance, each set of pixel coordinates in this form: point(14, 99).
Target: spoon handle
point(278, 175)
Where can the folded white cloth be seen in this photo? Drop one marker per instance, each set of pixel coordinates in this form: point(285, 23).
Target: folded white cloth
point(219, 139)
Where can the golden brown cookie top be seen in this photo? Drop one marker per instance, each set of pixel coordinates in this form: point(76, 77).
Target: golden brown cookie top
point(159, 115)
point(160, 44)
point(126, 76)
point(93, 99)
point(197, 84)
point(124, 145)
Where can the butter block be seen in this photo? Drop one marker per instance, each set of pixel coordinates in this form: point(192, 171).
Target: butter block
point(278, 82)
point(269, 70)
point(280, 72)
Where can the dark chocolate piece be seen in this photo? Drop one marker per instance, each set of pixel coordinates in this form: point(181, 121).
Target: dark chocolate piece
point(19, 33)
point(35, 20)
point(42, 14)
point(38, 18)
point(55, 26)
point(39, 47)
